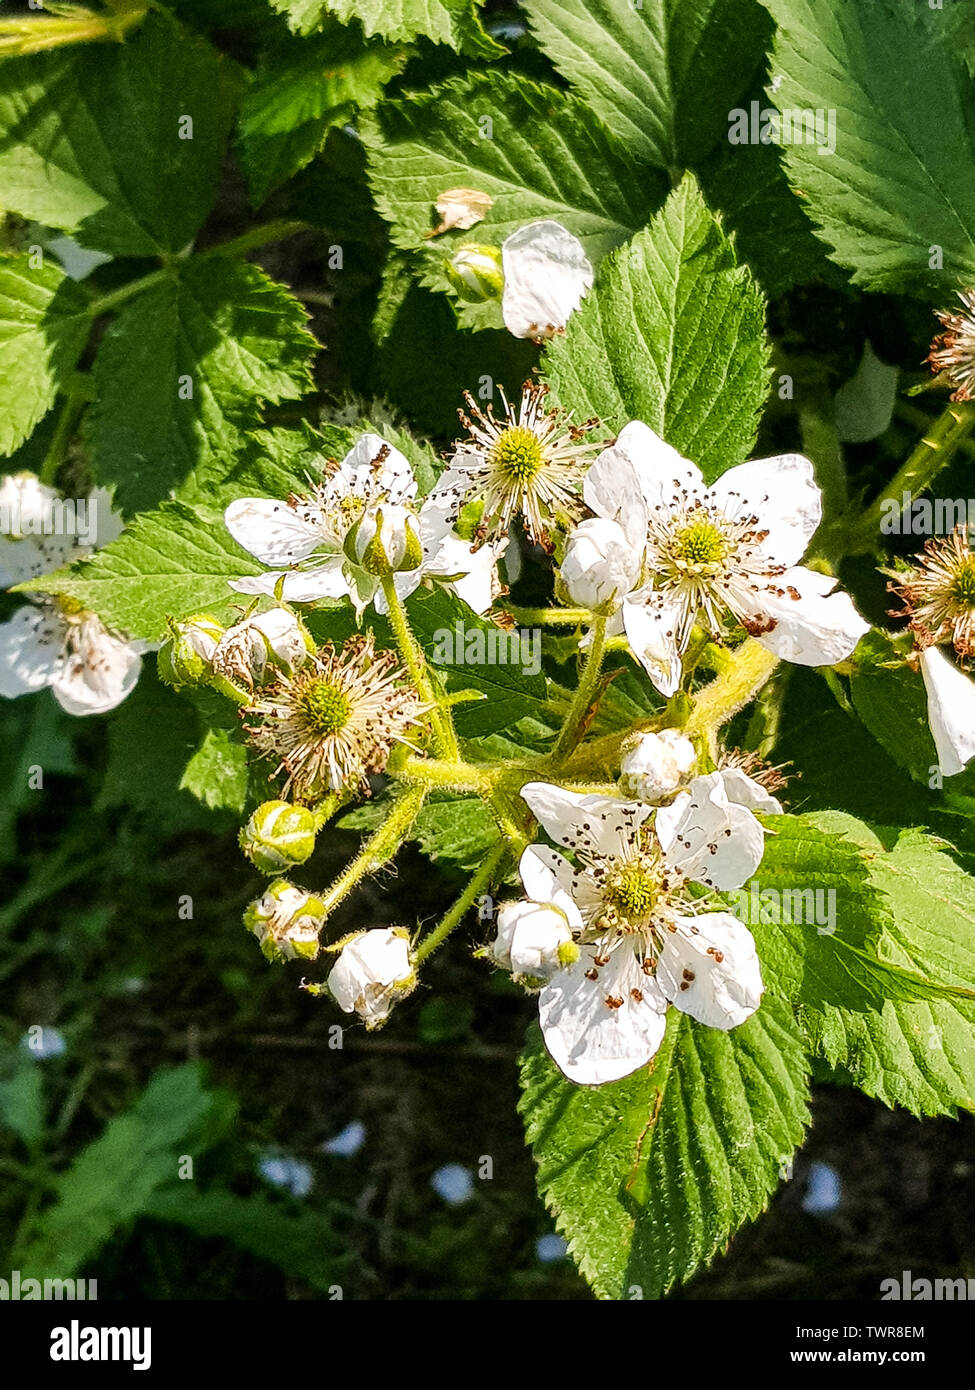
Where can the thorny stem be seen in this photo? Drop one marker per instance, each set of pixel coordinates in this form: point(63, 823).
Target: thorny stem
point(415, 663)
point(467, 899)
point(571, 729)
point(922, 467)
point(378, 848)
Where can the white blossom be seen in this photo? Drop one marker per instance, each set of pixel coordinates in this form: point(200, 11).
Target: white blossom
point(546, 275)
point(644, 941)
point(726, 549)
point(54, 641)
point(304, 540)
point(373, 971)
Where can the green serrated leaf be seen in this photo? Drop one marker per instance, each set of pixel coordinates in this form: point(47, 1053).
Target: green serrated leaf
point(537, 152)
point(185, 368)
point(453, 22)
point(819, 913)
point(217, 772)
point(43, 329)
point(450, 829)
point(300, 90)
point(916, 1053)
point(900, 185)
point(672, 334)
point(649, 1176)
point(663, 74)
point(120, 144)
point(111, 1180)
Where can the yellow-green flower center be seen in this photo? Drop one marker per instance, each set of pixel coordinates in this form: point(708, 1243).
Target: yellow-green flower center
point(963, 583)
point(517, 454)
point(700, 543)
point(324, 706)
point(632, 891)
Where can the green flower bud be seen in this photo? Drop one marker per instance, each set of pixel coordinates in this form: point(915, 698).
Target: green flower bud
point(286, 921)
point(475, 273)
point(186, 657)
point(278, 836)
point(385, 540)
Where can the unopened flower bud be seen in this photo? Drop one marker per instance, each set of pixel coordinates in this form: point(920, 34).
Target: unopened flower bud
point(186, 656)
point(286, 921)
point(278, 836)
point(531, 938)
point(372, 973)
point(600, 566)
point(656, 765)
point(475, 273)
point(276, 638)
point(385, 540)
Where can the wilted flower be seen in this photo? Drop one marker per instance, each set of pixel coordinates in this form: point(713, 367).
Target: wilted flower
point(334, 720)
point(460, 208)
point(952, 353)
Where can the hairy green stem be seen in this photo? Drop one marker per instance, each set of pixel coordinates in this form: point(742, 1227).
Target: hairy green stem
point(548, 617)
point(467, 899)
point(571, 729)
point(933, 452)
point(64, 431)
point(378, 848)
point(257, 237)
point(416, 665)
point(730, 692)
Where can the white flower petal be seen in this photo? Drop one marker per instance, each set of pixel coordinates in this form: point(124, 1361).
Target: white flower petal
point(651, 633)
point(367, 475)
point(273, 532)
point(744, 790)
point(97, 672)
point(546, 275)
point(327, 580)
point(951, 710)
point(810, 625)
point(783, 494)
point(709, 969)
point(594, 824)
point(591, 1040)
point(29, 646)
point(708, 838)
point(549, 878)
point(659, 469)
point(612, 490)
point(372, 971)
